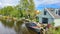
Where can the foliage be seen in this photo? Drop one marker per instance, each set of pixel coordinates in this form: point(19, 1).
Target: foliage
point(53, 31)
point(53, 23)
point(6, 10)
point(9, 11)
point(25, 8)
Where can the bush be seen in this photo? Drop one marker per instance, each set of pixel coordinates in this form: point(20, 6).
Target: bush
point(52, 23)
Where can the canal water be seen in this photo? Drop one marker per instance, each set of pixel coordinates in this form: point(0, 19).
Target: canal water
point(12, 28)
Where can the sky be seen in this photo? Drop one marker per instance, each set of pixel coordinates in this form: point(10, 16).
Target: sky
point(39, 4)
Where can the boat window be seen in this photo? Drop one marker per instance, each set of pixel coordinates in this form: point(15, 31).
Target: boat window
point(33, 24)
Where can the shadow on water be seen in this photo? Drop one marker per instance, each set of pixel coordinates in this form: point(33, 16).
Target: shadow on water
point(17, 28)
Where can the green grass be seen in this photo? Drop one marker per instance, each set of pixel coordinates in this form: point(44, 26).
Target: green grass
point(54, 31)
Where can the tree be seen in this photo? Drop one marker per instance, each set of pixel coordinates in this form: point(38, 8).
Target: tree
point(6, 10)
point(9, 11)
point(32, 9)
point(27, 7)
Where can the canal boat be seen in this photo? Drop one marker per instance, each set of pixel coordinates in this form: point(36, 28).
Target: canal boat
point(33, 27)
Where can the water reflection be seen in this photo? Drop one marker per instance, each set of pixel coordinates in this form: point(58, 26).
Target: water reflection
point(14, 28)
point(8, 24)
point(6, 30)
